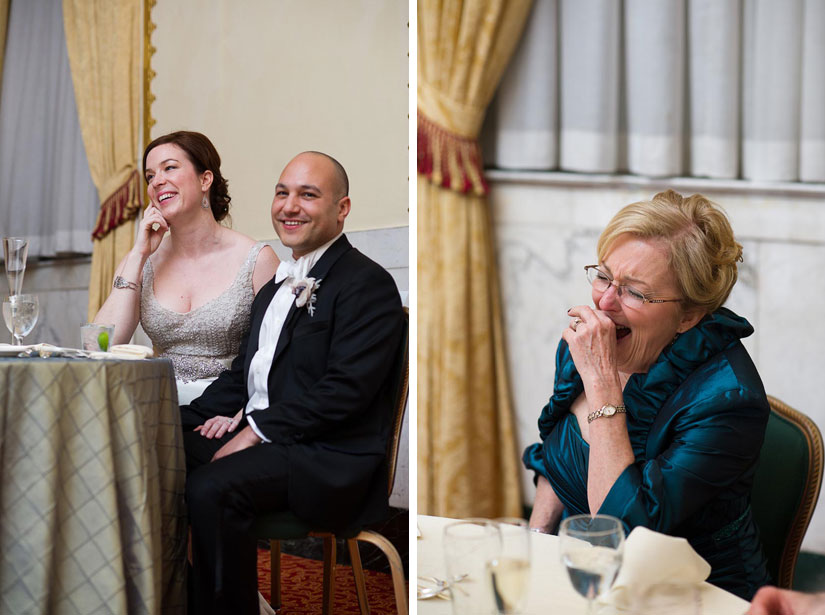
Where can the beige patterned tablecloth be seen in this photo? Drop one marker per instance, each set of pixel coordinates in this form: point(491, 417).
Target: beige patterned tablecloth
point(92, 474)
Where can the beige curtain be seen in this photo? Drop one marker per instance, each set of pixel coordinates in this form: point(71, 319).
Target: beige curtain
point(105, 47)
point(4, 22)
point(467, 456)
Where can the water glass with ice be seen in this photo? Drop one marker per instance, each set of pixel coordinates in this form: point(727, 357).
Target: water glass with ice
point(20, 313)
point(95, 337)
point(591, 550)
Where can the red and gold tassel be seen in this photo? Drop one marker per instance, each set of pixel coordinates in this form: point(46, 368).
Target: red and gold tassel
point(449, 160)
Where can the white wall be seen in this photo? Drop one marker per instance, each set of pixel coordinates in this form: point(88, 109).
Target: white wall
point(547, 226)
point(266, 80)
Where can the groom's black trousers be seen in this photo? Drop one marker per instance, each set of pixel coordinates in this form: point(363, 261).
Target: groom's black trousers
point(222, 498)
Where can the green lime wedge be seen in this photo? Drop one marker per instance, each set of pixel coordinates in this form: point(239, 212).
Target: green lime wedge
point(103, 340)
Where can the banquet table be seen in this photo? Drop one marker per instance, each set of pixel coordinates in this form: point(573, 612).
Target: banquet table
point(92, 475)
point(549, 590)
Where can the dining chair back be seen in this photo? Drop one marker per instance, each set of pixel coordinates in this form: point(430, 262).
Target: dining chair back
point(786, 487)
point(285, 525)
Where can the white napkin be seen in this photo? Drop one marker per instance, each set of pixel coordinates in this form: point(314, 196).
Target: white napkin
point(119, 351)
point(131, 351)
point(38, 350)
point(10, 350)
point(656, 569)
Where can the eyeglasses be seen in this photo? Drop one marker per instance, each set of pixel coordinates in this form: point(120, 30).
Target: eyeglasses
point(628, 295)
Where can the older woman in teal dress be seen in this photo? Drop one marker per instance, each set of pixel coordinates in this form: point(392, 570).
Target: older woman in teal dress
point(658, 413)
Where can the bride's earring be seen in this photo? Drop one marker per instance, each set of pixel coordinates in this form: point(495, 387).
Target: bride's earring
point(205, 202)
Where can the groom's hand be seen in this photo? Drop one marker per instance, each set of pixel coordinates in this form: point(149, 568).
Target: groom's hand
point(245, 438)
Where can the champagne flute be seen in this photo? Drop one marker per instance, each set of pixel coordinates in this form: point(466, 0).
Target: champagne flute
point(15, 250)
point(591, 549)
point(510, 571)
point(20, 313)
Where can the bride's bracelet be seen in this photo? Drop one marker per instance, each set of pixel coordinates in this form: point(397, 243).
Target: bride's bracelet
point(121, 282)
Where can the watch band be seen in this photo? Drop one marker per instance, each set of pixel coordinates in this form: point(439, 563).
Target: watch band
point(606, 410)
point(121, 282)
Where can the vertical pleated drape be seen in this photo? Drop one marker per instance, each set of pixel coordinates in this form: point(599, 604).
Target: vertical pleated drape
point(589, 111)
point(105, 47)
point(46, 192)
point(526, 106)
point(467, 457)
point(707, 88)
point(715, 43)
point(4, 22)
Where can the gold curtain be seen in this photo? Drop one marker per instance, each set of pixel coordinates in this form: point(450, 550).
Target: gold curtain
point(4, 22)
point(467, 455)
point(105, 45)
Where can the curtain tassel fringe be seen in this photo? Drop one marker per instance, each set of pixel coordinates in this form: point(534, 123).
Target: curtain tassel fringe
point(122, 205)
point(449, 160)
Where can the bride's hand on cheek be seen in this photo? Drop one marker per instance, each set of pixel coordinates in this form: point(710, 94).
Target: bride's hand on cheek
point(591, 337)
point(153, 226)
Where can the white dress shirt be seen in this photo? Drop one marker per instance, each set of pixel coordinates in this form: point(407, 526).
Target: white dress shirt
point(290, 271)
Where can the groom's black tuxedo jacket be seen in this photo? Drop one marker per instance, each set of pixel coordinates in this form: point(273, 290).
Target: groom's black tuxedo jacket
point(330, 402)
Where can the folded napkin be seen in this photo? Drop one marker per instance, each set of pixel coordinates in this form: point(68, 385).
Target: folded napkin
point(657, 569)
point(119, 351)
point(10, 350)
point(39, 350)
point(122, 351)
point(131, 351)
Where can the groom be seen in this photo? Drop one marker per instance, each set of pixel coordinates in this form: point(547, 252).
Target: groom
point(313, 375)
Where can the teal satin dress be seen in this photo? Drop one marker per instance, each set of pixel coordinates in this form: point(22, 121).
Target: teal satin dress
point(696, 422)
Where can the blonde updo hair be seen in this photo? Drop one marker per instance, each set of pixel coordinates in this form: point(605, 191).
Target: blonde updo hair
point(702, 252)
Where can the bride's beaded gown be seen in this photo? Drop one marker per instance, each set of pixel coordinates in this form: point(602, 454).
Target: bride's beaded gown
point(202, 342)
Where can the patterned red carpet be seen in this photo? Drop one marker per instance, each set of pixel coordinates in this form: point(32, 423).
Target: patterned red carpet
point(302, 587)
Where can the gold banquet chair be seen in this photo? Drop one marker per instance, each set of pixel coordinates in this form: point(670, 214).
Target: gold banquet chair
point(285, 525)
point(786, 487)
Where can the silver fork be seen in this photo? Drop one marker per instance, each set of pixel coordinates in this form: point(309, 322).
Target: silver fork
point(437, 588)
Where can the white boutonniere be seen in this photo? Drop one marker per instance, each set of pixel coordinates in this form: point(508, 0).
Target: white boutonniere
point(304, 291)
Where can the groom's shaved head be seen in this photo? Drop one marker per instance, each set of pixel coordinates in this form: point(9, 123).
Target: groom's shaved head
point(342, 183)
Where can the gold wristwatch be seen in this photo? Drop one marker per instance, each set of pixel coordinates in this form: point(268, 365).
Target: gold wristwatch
point(606, 410)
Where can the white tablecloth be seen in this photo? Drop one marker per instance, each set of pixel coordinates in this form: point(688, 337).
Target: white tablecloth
point(550, 589)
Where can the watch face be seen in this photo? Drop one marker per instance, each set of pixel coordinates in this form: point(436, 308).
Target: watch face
point(609, 410)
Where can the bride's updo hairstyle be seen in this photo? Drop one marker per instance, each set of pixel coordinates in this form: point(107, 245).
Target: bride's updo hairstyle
point(203, 155)
point(702, 251)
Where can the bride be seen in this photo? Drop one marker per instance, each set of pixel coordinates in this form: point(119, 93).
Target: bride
point(189, 280)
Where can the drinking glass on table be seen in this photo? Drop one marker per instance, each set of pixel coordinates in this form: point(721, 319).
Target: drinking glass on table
point(15, 250)
point(591, 549)
point(20, 313)
point(468, 546)
point(95, 337)
point(510, 571)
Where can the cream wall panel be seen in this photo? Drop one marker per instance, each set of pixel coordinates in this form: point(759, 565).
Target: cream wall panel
point(266, 80)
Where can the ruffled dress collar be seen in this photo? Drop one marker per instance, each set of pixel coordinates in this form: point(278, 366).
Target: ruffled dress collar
point(645, 394)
